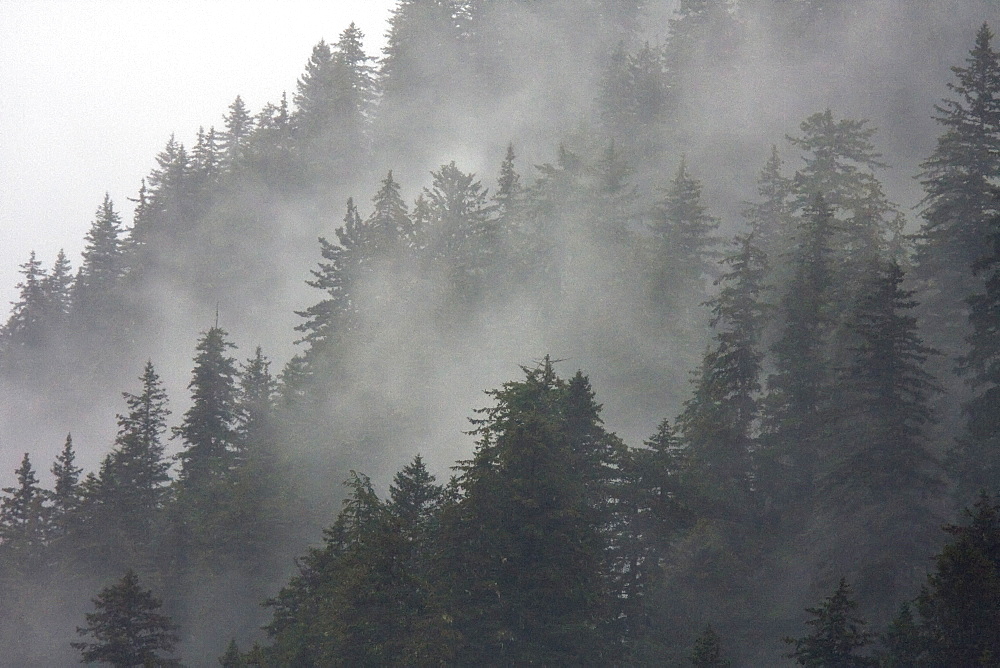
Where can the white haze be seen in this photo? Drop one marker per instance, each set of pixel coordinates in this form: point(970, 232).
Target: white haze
point(92, 91)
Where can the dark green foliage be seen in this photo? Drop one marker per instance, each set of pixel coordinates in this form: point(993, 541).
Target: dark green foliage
point(209, 425)
point(26, 326)
point(902, 641)
point(718, 423)
point(24, 519)
point(66, 496)
point(960, 605)
point(837, 634)
point(126, 629)
point(523, 568)
point(707, 651)
point(977, 458)
point(960, 179)
point(683, 245)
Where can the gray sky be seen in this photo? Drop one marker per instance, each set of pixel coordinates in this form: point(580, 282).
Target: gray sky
point(90, 91)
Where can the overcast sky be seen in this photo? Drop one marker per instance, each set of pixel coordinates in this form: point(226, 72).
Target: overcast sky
point(90, 91)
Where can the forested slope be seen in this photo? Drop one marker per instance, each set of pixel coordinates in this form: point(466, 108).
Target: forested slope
point(765, 232)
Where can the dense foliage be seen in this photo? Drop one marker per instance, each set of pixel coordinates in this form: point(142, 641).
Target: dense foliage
point(825, 435)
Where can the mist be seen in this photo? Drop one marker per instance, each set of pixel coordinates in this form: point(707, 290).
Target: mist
point(385, 334)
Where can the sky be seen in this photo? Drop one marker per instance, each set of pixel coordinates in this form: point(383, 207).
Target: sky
point(93, 89)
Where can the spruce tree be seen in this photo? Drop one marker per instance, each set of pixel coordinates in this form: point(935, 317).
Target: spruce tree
point(24, 518)
point(208, 428)
point(65, 498)
point(975, 460)
point(234, 141)
point(683, 245)
point(960, 181)
point(707, 651)
point(25, 328)
point(126, 629)
point(837, 634)
point(103, 264)
point(959, 606)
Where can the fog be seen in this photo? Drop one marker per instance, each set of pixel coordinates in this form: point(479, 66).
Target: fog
point(95, 90)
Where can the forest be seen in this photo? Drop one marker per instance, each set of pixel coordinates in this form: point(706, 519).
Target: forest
point(561, 332)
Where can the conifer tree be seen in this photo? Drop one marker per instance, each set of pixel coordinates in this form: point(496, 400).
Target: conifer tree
point(837, 634)
point(208, 428)
point(960, 181)
point(799, 386)
point(58, 289)
point(132, 483)
point(526, 583)
point(684, 244)
point(707, 651)
point(718, 423)
point(877, 468)
point(103, 264)
point(65, 498)
point(26, 326)
point(24, 518)
point(959, 606)
point(389, 226)
point(975, 460)
point(234, 141)
point(126, 629)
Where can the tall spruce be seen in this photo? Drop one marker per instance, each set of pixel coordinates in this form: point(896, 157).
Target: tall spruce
point(208, 428)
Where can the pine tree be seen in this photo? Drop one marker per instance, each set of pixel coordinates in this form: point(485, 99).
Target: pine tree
point(524, 550)
point(878, 478)
point(24, 518)
point(838, 634)
point(132, 482)
point(126, 629)
point(65, 498)
point(327, 321)
point(58, 289)
point(684, 244)
point(719, 422)
point(975, 460)
point(26, 326)
point(103, 264)
point(461, 235)
point(208, 428)
point(234, 141)
point(799, 386)
point(389, 225)
point(959, 179)
point(707, 651)
point(960, 605)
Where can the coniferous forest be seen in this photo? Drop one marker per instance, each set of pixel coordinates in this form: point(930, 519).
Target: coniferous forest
point(571, 332)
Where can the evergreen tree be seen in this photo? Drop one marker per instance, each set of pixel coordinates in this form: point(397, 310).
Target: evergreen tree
point(525, 549)
point(960, 605)
point(837, 634)
point(208, 428)
point(976, 458)
point(132, 483)
point(707, 651)
point(389, 225)
point(960, 181)
point(799, 386)
point(718, 423)
point(66, 496)
point(126, 629)
point(461, 235)
point(235, 140)
point(58, 288)
point(26, 326)
point(103, 264)
point(878, 478)
point(24, 518)
point(684, 244)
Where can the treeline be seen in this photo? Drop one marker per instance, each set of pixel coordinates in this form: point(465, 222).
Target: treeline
point(816, 443)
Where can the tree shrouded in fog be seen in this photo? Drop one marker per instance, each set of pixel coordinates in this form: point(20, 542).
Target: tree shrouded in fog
point(126, 629)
